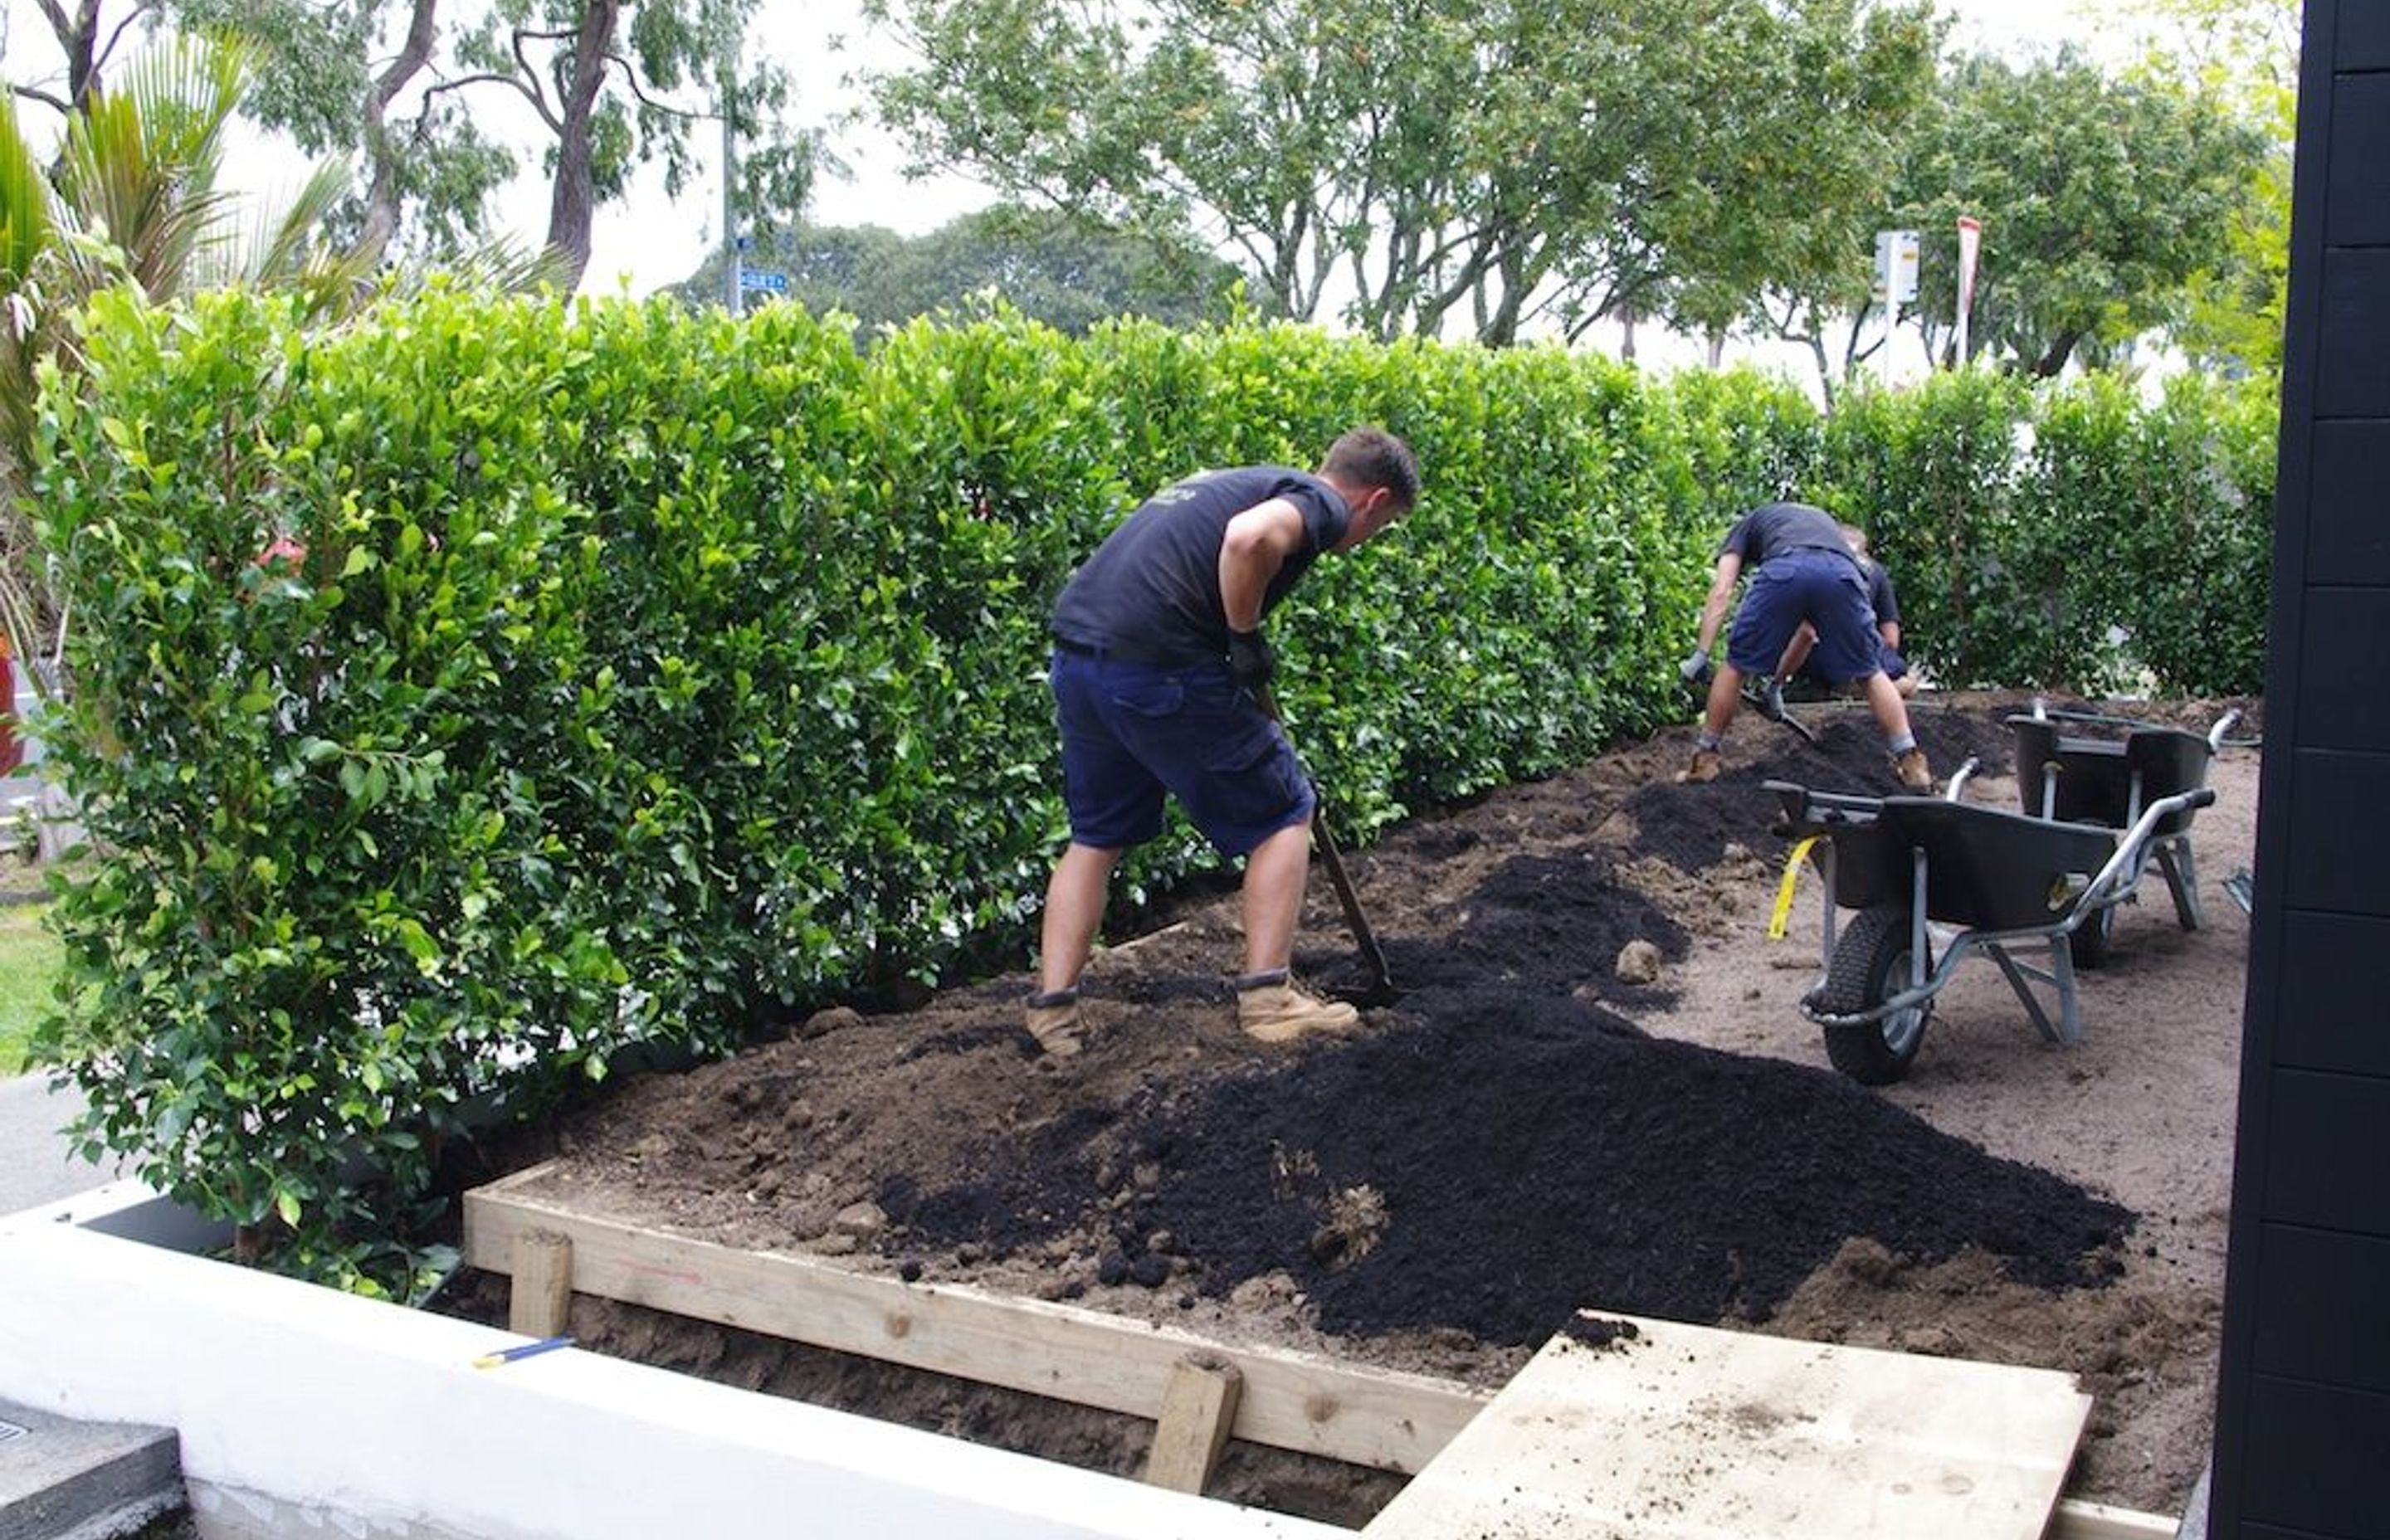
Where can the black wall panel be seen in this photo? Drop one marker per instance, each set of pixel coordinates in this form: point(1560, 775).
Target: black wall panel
point(2344, 631)
point(2324, 1163)
point(2340, 1333)
point(2353, 355)
point(2339, 838)
point(2329, 961)
point(2328, 1478)
point(2349, 540)
point(2360, 162)
point(2364, 36)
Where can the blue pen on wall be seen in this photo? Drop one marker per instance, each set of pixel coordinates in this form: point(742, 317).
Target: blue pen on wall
point(545, 1344)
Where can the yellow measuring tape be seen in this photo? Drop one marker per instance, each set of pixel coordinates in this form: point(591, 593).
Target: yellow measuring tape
point(1783, 913)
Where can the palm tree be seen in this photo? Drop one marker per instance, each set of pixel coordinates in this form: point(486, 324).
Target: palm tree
point(134, 198)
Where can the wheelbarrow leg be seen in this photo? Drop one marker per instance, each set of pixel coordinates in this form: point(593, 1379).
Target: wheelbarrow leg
point(2067, 1029)
point(2182, 878)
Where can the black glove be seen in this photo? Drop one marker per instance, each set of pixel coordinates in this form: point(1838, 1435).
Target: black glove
point(1250, 659)
point(1696, 666)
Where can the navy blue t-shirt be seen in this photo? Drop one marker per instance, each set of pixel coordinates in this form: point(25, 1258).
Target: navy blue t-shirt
point(1880, 594)
point(1151, 590)
point(1772, 529)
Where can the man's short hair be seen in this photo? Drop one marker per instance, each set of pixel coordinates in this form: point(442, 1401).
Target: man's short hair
point(1373, 457)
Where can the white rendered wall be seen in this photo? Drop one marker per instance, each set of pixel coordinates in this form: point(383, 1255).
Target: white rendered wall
point(369, 1418)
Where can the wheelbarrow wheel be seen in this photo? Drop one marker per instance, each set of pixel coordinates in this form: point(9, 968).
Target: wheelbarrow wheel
point(1871, 966)
point(2089, 943)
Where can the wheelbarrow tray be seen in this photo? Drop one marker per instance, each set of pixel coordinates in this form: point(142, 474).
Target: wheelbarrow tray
point(1987, 868)
point(2075, 778)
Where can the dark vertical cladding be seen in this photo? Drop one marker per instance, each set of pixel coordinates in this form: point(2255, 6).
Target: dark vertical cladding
point(2303, 1408)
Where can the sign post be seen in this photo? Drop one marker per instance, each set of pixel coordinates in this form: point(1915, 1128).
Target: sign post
point(762, 281)
point(1896, 279)
point(1971, 239)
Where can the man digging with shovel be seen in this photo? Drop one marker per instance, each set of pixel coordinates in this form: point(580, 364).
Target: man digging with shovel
point(1801, 569)
point(1158, 657)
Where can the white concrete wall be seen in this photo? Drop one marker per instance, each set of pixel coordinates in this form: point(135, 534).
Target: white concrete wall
point(364, 1419)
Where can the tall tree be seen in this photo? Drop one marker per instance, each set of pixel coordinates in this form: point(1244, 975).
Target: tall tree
point(599, 76)
point(2246, 52)
point(1409, 163)
point(606, 88)
point(2099, 198)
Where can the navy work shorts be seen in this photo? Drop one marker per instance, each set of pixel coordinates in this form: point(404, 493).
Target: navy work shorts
point(1821, 587)
point(1133, 732)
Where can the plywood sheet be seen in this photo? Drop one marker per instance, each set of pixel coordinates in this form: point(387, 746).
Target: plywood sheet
point(1680, 1431)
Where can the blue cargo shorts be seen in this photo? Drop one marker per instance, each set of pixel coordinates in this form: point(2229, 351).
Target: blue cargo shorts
point(1134, 732)
point(1822, 587)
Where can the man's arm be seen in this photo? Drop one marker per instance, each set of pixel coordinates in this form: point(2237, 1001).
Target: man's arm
point(1722, 581)
point(1259, 541)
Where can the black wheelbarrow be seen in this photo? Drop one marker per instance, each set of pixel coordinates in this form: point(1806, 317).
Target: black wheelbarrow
point(1934, 879)
point(2084, 768)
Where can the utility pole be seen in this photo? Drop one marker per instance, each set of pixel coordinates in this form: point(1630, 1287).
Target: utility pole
point(734, 245)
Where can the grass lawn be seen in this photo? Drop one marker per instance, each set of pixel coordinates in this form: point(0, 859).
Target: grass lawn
point(29, 960)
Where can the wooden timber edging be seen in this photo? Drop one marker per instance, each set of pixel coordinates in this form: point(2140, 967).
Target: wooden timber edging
point(1379, 1419)
point(1375, 1417)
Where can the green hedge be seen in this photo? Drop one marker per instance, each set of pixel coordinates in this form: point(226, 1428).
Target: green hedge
point(644, 673)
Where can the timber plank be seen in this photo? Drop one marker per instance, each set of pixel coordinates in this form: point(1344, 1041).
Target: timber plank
point(1197, 1411)
point(1379, 1419)
point(1684, 1432)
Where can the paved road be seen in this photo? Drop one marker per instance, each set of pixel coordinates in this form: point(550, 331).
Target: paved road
point(35, 1164)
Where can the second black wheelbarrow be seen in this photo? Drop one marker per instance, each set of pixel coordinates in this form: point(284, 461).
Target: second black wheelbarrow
point(2086, 767)
point(1935, 880)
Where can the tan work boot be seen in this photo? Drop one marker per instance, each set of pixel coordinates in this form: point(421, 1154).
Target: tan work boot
point(1705, 767)
point(1910, 766)
point(1272, 1010)
point(1053, 1018)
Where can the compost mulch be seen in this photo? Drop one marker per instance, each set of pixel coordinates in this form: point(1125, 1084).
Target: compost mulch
point(1508, 1142)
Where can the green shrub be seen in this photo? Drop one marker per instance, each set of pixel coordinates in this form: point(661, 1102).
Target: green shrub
point(632, 676)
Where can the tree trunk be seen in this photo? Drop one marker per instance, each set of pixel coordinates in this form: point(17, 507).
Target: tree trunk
point(2061, 348)
point(574, 201)
point(382, 196)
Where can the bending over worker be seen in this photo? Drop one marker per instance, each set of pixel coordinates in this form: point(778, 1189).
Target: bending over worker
point(1801, 570)
point(1798, 665)
point(1157, 650)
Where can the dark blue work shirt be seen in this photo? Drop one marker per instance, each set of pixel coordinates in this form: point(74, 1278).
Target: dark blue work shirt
point(1151, 591)
point(1771, 528)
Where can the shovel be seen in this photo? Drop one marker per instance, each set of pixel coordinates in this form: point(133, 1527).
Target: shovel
point(1755, 695)
point(1377, 986)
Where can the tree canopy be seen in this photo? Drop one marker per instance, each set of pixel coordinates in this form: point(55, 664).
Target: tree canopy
point(414, 87)
point(2101, 197)
point(1404, 166)
point(1051, 266)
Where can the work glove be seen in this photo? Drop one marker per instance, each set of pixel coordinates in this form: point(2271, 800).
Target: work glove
point(1250, 659)
point(1696, 666)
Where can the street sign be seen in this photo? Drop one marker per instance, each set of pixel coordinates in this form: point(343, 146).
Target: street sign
point(1895, 265)
point(769, 282)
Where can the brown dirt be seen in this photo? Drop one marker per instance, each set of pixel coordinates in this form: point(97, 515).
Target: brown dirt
point(1523, 1134)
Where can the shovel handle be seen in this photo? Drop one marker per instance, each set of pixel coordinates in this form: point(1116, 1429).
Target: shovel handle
point(1365, 940)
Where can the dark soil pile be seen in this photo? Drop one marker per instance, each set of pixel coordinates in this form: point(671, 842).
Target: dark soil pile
point(1499, 1159)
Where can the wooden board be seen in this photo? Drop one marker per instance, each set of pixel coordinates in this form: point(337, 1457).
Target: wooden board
point(1378, 1419)
point(1692, 1431)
